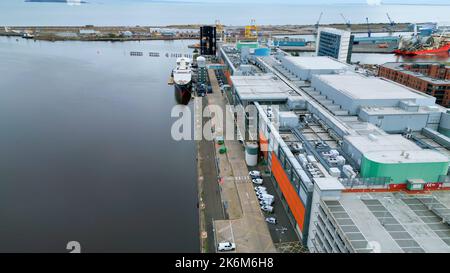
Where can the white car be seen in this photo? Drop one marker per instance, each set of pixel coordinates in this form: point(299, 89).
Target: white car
point(266, 202)
point(267, 208)
point(254, 174)
point(271, 220)
point(258, 188)
point(261, 192)
point(264, 196)
point(226, 246)
point(257, 181)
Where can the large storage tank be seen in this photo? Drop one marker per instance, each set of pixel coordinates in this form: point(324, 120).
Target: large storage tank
point(201, 62)
point(251, 154)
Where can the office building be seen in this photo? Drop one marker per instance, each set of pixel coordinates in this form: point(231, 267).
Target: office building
point(335, 43)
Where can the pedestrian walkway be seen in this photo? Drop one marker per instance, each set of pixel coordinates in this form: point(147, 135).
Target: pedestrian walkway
point(246, 225)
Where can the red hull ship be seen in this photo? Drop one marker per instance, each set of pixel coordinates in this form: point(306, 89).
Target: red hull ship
point(440, 50)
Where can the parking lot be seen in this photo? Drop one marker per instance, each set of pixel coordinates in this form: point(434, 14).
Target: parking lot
point(283, 232)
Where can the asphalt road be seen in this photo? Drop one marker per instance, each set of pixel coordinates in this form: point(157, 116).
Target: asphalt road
point(211, 191)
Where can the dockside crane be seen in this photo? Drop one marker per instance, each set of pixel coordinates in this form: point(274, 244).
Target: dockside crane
point(347, 22)
point(369, 31)
point(220, 30)
point(251, 31)
point(391, 25)
point(391, 22)
point(318, 22)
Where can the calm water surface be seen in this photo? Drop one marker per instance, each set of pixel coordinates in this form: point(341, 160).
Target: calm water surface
point(86, 152)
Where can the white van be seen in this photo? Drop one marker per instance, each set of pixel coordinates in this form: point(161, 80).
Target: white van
point(265, 196)
point(267, 208)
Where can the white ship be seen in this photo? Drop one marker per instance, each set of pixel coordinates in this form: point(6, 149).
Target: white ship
point(182, 79)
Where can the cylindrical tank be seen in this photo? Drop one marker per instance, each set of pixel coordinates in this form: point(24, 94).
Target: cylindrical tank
point(262, 51)
point(251, 154)
point(201, 62)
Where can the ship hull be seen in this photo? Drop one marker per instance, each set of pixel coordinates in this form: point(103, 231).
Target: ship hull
point(443, 49)
point(183, 93)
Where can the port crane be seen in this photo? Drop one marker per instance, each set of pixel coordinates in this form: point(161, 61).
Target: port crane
point(369, 31)
point(391, 25)
point(219, 29)
point(318, 22)
point(347, 22)
point(391, 22)
point(251, 31)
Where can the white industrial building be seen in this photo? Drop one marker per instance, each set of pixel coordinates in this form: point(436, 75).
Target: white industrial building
point(332, 122)
point(334, 43)
point(306, 66)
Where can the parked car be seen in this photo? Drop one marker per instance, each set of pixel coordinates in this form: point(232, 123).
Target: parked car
point(254, 174)
point(226, 246)
point(257, 181)
point(259, 192)
point(271, 220)
point(267, 208)
point(268, 202)
point(257, 188)
point(264, 196)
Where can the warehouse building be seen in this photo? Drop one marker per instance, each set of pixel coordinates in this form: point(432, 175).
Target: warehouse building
point(305, 67)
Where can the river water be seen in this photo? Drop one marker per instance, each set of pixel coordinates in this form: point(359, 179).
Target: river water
point(86, 152)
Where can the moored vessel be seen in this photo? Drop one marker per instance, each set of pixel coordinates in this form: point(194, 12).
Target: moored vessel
point(182, 80)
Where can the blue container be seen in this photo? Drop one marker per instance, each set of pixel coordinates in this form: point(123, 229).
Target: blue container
point(263, 51)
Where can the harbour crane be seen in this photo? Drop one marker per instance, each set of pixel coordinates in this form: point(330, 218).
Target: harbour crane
point(220, 30)
point(391, 22)
point(369, 32)
point(347, 22)
point(251, 31)
point(391, 25)
point(318, 22)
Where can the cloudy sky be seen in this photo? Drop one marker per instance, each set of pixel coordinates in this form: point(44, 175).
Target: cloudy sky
point(324, 1)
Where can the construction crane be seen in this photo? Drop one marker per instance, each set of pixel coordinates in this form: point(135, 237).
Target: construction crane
point(391, 22)
point(347, 22)
point(251, 31)
point(318, 22)
point(369, 32)
point(391, 25)
point(219, 29)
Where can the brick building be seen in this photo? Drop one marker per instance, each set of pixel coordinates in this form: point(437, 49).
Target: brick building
point(430, 78)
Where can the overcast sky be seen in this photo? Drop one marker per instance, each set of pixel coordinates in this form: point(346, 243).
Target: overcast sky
point(297, 2)
point(312, 2)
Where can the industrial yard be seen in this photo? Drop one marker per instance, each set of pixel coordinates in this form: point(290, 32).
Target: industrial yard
point(338, 146)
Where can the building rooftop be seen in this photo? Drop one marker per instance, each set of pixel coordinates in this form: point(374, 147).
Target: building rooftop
point(317, 62)
point(261, 87)
point(335, 30)
point(399, 67)
point(370, 143)
point(395, 222)
point(378, 110)
point(363, 88)
point(406, 156)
